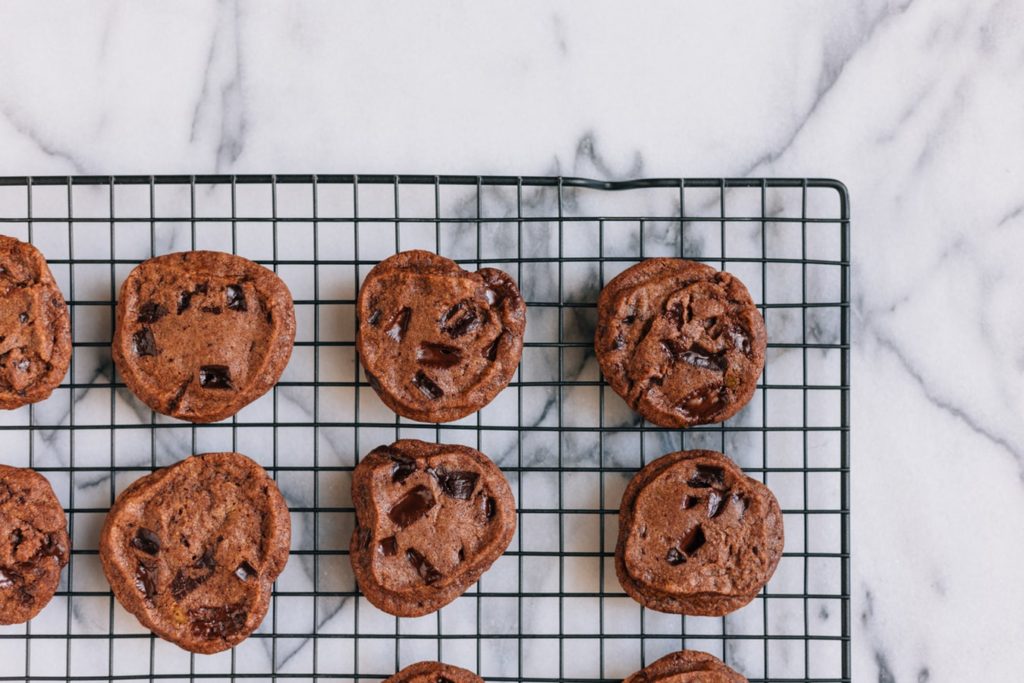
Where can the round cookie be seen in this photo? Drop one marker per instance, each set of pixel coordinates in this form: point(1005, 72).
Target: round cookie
point(681, 342)
point(200, 334)
point(438, 342)
point(433, 672)
point(34, 543)
point(35, 328)
point(193, 550)
point(696, 535)
point(687, 666)
point(430, 519)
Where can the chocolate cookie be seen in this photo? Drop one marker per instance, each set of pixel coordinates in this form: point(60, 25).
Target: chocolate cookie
point(34, 543)
point(696, 535)
point(434, 672)
point(430, 519)
point(681, 342)
point(35, 329)
point(687, 666)
point(438, 342)
point(200, 334)
point(193, 550)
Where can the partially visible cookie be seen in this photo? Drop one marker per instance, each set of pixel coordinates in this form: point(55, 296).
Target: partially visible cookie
point(193, 550)
point(681, 342)
point(201, 334)
point(438, 342)
point(34, 543)
point(430, 519)
point(434, 672)
point(35, 328)
point(687, 666)
point(696, 535)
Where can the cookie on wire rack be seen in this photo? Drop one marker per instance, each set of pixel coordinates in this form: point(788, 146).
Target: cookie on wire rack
point(433, 672)
point(687, 666)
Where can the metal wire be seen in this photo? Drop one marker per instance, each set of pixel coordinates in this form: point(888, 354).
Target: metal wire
point(562, 438)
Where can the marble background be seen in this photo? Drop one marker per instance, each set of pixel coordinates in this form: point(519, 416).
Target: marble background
point(916, 106)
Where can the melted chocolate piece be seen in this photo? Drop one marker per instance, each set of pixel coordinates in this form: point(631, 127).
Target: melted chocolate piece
point(438, 355)
point(715, 505)
point(402, 468)
point(460, 319)
point(146, 541)
point(23, 317)
point(458, 484)
point(217, 622)
point(235, 298)
point(374, 317)
point(692, 541)
point(150, 312)
point(427, 571)
point(491, 352)
point(143, 343)
point(689, 501)
point(398, 324)
point(412, 506)
point(707, 476)
point(674, 557)
point(490, 508)
point(427, 386)
point(215, 377)
point(190, 578)
point(740, 339)
point(244, 571)
point(388, 546)
point(144, 580)
point(184, 301)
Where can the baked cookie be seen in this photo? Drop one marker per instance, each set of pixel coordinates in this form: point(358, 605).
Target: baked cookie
point(34, 543)
point(35, 328)
point(200, 334)
point(438, 342)
point(193, 550)
point(681, 342)
point(430, 519)
point(696, 535)
point(433, 672)
point(687, 666)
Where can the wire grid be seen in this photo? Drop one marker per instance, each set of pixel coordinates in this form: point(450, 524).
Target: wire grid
point(551, 607)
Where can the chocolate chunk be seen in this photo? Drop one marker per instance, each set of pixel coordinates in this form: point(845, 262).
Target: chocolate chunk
point(412, 506)
point(398, 324)
point(217, 622)
point(144, 580)
point(215, 377)
point(146, 541)
point(184, 301)
point(444, 679)
point(374, 317)
point(210, 309)
point(190, 578)
point(244, 571)
point(674, 557)
point(689, 501)
point(692, 541)
point(23, 317)
point(490, 508)
point(150, 312)
point(402, 468)
point(389, 546)
point(236, 298)
point(707, 476)
point(427, 571)
point(704, 403)
point(438, 355)
point(143, 343)
point(458, 484)
point(460, 319)
point(715, 506)
point(740, 339)
point(6, 580)
point(427, 386)
point(739, 502)
point(491, 352)
point(202, 288)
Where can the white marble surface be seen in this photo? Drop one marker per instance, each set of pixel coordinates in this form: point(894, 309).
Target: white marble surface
point(917, 106)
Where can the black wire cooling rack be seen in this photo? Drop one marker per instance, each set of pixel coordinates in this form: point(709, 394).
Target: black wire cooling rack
point(550, 608)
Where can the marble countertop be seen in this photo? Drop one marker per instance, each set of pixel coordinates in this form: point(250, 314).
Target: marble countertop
point(916, 106)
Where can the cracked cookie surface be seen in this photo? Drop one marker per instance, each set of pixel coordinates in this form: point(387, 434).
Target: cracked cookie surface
point(696, 535)
point(34, 543)
point(687, 666)
point(430, 520)
point(201, 334)
point(434, 672)
point(438, 342)
point(681, 342)
point(35, 327)
point(193, 550)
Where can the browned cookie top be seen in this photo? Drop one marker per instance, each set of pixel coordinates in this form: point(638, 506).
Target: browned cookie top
point(434, 672)
point(696, 535)
point(34, 543)
point(193, 550)
point(681, 342)
point(438, 342)
point(687, 666)
point(200, 334)
point(35, 331)
point(430, 519)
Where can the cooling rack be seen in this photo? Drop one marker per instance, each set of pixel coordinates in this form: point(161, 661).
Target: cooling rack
point(550, 608)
